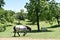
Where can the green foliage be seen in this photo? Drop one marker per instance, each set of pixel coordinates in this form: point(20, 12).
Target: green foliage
point(6, 16)
point(31, 11)
point(9, 15)
point(2, 27)
point(34, 6)
point(2, 3)
point(20, 15)
point(44, 7)
point(2, 19)
point(54, 10)
point(43, 10)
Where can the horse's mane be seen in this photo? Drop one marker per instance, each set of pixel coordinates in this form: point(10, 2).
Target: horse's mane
point(28, 28)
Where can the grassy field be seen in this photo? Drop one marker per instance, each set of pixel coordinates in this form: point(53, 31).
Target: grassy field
point(51, 33)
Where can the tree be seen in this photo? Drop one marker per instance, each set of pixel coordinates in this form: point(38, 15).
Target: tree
point(44, 10)
point(9, 15)
point(37, 10)
point(51, 9)
point(33, 9)
point(54, 10)
point(20, 15)
point(2, 3)
point(2, 19)
point(6, 16)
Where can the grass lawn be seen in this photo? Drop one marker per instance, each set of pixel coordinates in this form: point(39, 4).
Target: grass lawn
point(53, 33)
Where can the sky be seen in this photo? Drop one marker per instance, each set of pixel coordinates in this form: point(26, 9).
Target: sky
point(57, 1)
point(16, 5)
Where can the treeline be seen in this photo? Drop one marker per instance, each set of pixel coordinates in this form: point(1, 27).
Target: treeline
point(9, 16)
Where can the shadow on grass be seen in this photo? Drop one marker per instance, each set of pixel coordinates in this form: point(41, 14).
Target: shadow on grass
point(35, 31)
point(54, 26)
point(9, 25)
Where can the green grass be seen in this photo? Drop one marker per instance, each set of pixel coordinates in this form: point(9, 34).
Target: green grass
point(55, 32)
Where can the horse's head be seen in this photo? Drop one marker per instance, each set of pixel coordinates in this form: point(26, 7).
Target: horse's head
point(28, 28)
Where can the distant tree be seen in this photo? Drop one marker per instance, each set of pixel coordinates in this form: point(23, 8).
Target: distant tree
point(6, 16)
point(55, 10)
point(50, 11)
point(20, 15)
point(9, 15)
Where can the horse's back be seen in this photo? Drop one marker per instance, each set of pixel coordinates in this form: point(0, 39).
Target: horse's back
point(20, 27)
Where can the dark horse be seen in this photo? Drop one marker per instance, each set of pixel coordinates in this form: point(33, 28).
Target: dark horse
point(19, 28)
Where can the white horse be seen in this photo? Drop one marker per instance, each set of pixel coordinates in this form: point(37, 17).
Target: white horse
point(19, 28)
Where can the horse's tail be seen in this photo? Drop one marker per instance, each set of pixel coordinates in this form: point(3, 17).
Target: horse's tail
point(14, 29)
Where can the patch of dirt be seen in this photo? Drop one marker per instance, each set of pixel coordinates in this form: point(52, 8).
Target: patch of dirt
point(18, 38)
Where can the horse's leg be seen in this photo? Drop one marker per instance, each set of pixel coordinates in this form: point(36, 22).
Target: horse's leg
point(18, 33)
point(14, 33)
point(25, 32)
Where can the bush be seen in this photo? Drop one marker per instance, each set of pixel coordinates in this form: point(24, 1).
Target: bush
point(2, 27)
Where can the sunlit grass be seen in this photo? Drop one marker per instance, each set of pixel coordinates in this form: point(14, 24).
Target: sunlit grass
point(55, 32)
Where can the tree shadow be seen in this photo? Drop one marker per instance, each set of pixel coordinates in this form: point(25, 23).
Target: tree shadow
point(54, 26)
point(36, 31)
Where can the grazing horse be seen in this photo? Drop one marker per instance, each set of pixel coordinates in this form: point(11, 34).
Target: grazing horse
point(19, 28)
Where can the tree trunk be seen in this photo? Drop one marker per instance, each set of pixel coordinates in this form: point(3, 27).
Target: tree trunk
point(18, 22)
point(57, 20)
point(37, 11)
point(38, 22)
point(57, 17)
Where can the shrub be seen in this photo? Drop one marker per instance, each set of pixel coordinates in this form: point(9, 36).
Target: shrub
point(2, 27)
